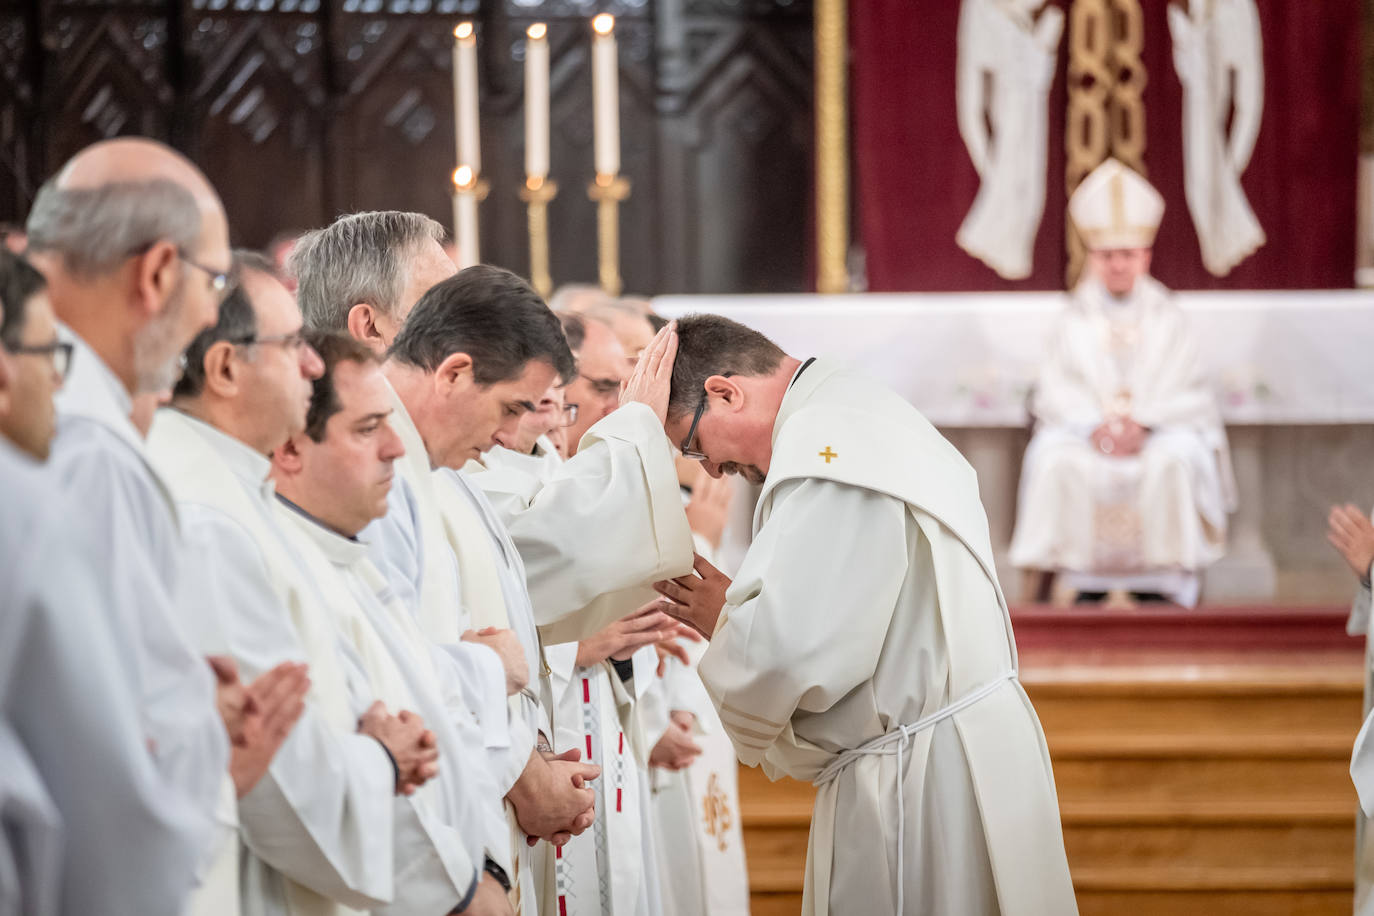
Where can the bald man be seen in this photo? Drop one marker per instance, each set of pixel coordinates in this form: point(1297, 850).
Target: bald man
point(133, 242)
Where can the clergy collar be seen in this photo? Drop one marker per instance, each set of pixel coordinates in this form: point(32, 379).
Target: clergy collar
point(93, 391)
point(252, 468)
point(340, 549)
point(800, 389)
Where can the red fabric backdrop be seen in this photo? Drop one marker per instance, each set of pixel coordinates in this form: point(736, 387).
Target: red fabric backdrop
point(914, 181)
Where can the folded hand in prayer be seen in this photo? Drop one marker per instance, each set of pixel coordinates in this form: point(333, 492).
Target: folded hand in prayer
point(676, 749)
point(413, 748)
point(1351, 532)
point(506, 645)
point(551, 798)
point(696, 598)
point(273, 704)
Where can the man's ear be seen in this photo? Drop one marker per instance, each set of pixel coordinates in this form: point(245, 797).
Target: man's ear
point(286, 458)
point(454, 374)
point(727, 390)
point(221, 369)
point(362, 326)
point(156, 274)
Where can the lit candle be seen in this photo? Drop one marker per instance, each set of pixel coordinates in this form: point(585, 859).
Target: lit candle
point(465, 97)
point(465, 216)
point(537, 103)
point(605, 96)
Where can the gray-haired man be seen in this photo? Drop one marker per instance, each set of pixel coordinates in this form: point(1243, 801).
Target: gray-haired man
point(134, 245)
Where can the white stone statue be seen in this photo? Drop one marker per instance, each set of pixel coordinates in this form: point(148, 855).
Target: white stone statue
point(1220, 61)
point(1006, 64)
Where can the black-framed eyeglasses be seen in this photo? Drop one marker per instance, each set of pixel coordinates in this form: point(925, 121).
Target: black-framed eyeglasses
point(293, 341)
point(59, 351)
point(569, 415)
point(686, 446)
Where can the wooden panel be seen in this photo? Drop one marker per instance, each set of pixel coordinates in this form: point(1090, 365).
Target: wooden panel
point(1214, 903)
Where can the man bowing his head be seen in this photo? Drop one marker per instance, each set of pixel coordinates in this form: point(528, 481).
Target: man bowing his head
point(865, 644)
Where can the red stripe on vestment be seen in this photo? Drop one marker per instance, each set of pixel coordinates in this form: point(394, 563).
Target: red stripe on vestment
point(617, 800)
point(589, 748)
point(586, 690)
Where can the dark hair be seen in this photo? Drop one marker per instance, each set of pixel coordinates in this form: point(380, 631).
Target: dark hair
point(491, 315)
point(656, 321)
point(711, 345)
point(19, 282)
point(574, 328)
point(236, 322)
point(324, 398)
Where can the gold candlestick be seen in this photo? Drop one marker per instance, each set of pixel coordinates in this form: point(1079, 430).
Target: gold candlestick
point(608, 191)
point(536, 193)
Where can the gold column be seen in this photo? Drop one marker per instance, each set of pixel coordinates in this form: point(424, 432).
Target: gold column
point(536, 193)
point(1106, 114)
point(607, 191)
point(832, 147)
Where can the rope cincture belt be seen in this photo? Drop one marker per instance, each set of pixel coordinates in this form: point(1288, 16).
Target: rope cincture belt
point(894, 742)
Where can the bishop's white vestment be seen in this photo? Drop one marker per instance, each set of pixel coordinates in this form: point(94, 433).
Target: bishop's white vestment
point(325, 832)
point(100, 463)
point(1159, 513)
point(865, 646)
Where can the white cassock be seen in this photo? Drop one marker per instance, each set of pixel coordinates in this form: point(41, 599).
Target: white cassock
point(622, 487)
point(437, 551)
point(865, 646)
point(100, 463)
point(1153, 519)
point(1005, 51)
point(696, 811)
point(30, 834)
point(408, 671)
point(127, 843)
point(323, 829)
point(612, 867)
point(1362, 760)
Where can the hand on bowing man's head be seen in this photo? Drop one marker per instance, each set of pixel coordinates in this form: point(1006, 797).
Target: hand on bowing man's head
point(644, 627)
point(696, 598)
point(506, 645)
point(277, 699)
point(412, 746)
point(1352, 534)
point(652, 377)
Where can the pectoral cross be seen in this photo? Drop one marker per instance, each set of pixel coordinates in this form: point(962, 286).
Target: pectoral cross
point(828, 454)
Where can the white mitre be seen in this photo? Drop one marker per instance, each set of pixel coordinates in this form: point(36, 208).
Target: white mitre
point(1115, 208)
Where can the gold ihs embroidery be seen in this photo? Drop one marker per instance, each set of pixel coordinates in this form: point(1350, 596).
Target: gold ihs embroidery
point(717, 812)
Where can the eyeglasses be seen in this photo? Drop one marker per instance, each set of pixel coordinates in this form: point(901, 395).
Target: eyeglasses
point(220, 281)
point(686, 447)
point(293, 341)
point(59, 351)
point(569, 415)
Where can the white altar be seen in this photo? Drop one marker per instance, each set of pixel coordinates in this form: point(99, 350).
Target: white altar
point(1292, 372)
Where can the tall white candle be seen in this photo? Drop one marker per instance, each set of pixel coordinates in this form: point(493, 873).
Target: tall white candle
point(605, 96)
point(469, 140)
point(465, 217)
point(537, 103)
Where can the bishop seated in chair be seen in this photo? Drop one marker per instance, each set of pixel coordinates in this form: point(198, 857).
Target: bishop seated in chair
point(1127, 481)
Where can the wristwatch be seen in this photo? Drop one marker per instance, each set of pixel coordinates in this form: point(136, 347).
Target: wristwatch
point(496, 872)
